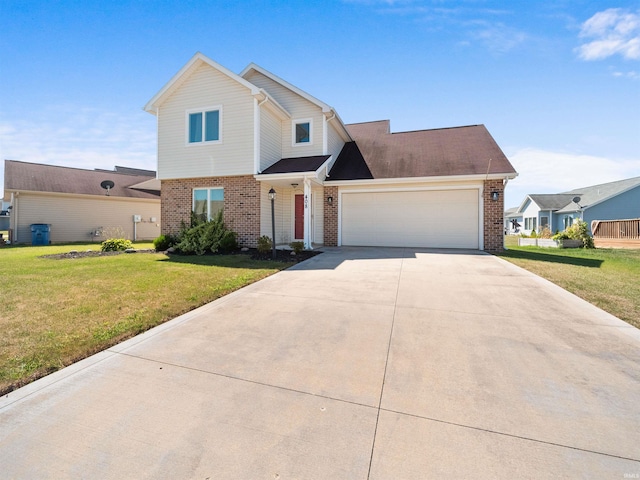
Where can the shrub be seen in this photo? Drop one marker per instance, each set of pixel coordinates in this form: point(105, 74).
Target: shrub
point(203, 236)
point(163, 242)
point(116, 244)
point(545, 233)
point(297, 247)
point(229, 241)
point(577, 231)
point(264, 244)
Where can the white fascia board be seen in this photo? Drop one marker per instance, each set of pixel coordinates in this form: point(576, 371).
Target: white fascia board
point(111, 198)
point(442, 179)
point(519, 210)
point(273, 104)
point(178, 77)
point(284, 83)
point(342, 130)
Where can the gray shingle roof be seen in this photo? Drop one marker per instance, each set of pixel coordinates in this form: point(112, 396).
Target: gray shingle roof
point(595, 194)
point(36, 177)
point(552, 201)
point(297, 164)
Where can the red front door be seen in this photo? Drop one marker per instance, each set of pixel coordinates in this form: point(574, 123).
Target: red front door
point(299, 218)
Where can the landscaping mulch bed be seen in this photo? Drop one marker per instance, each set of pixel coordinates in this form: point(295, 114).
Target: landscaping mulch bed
point(286, 256)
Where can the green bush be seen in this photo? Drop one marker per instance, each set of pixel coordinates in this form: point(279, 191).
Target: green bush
point(116, 244)
point(163, 242)
point(577, 231)
point(297, 247)
point(264, 244)
point(201, 237)
point(229, 242)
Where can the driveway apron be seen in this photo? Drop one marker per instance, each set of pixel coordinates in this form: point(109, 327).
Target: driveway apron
point(360, 363)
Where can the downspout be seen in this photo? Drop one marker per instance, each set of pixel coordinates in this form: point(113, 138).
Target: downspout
point(14, 215)
point(256, 132)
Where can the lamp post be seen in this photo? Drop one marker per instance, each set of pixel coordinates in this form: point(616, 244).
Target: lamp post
point(272, 197)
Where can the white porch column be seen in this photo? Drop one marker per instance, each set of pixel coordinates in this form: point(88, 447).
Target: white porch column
point(307, 214)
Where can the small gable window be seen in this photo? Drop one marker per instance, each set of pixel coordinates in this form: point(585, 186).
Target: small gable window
point(203, 125)
point(302, 132)
point(207, 202)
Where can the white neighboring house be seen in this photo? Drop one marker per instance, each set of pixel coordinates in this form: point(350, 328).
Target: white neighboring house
point(76, 204)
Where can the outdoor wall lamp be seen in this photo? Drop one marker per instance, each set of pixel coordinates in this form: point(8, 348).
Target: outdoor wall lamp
point(495, 195)
point(330, 200)
point(272, 197)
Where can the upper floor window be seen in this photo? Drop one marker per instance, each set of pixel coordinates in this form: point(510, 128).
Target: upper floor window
point(302, 132)
point(203, 125)
point(207, 202)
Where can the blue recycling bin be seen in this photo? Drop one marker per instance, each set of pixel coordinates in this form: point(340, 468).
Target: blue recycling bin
point(40, 233)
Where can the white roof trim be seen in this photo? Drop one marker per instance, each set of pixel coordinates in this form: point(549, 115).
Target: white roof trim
point(446, 178)
point(284, 83)
point(328, 110)
point(197, 58)
point(273, 104)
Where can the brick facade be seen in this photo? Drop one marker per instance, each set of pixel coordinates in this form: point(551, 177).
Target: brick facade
point(493, 216)
point(331, 217)
point(241, 204)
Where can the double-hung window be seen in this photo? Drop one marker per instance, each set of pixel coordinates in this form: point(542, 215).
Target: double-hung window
point(207, 202)
point(302, 132)
point(203, 125)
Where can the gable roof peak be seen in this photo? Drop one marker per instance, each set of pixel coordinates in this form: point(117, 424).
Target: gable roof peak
point(185, 72)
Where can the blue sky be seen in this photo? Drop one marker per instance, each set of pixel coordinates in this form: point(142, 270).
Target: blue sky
point(556, 83)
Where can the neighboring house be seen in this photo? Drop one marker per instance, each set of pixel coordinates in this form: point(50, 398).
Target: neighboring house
point(77, 206)
point(512, 221)
point(226, 140)
point(608, 201)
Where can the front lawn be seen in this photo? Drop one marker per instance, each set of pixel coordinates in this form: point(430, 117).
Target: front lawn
point(55, 312)
point(607, 278)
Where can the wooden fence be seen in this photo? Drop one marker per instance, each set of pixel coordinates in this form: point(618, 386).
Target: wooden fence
point(622, 229)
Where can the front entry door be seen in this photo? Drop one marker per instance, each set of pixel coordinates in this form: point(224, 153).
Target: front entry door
point(299, 217)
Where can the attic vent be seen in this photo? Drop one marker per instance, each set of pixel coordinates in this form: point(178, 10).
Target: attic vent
point(107, 185)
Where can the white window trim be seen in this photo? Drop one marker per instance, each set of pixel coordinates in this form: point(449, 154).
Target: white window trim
point(203, 111)
point(208, 189)
point(293, 131)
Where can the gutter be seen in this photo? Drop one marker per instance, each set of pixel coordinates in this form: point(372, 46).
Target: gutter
point(447, 178)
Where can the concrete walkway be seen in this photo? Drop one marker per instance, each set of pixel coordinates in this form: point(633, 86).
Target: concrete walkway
point(357, 364)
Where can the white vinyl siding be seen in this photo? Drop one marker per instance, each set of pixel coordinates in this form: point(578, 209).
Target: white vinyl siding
point(335, 144)
point(283, 213)
point(270, 139)
point(299, 108)
point(72, 218)
point(411, 218)
point(233, 154)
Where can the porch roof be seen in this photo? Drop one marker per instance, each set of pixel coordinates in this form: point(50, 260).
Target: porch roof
point(297, 165)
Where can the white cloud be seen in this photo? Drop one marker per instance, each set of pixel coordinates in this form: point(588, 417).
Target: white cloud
point(79, 137)
point(613, 32)
point(543, 171)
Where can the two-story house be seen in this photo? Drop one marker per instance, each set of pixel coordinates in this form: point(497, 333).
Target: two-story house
point(226, 140)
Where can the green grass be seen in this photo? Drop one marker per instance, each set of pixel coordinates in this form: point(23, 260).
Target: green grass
point(54, 312)
point(607, 278)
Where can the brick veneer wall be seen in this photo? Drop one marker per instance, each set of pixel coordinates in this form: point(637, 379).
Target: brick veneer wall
point(331, 217)
point(493, 216)
point(241, 204)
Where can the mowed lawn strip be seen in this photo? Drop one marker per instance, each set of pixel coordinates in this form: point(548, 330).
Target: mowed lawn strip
point(54, 312)
point(607, 278)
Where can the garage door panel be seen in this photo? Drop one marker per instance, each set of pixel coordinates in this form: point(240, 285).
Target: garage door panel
point(438, 219)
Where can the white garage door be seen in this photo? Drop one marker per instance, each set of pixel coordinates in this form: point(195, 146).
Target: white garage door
point(431, 218)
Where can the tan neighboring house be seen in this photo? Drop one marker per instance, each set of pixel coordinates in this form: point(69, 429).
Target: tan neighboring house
point(226, 140)
point(76, 204)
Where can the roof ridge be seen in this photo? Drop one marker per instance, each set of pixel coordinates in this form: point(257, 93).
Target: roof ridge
point(95, 170)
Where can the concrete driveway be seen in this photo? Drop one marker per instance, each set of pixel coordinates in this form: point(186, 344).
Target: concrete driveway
point(357, 364)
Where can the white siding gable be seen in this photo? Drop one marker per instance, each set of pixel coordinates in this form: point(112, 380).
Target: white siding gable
point(270, 139)
point(300, 109)
point(233, 154)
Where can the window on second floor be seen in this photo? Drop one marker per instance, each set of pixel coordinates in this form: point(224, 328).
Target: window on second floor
point(302, 132)
point(207, 202)
point(203, 125)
